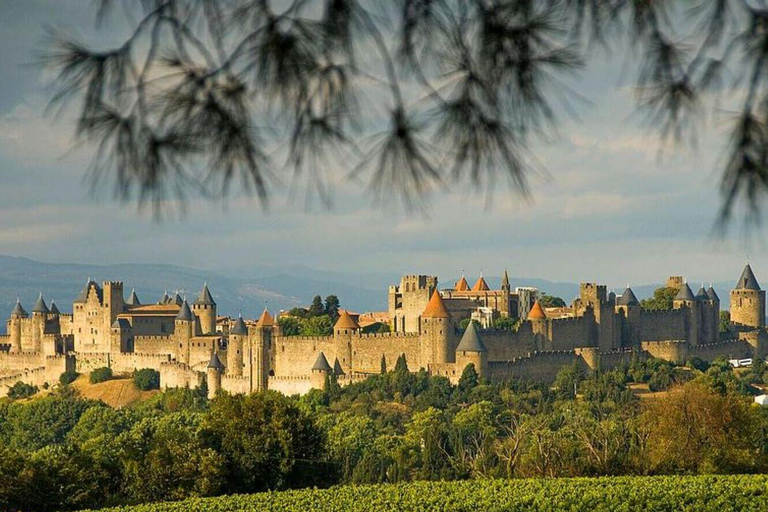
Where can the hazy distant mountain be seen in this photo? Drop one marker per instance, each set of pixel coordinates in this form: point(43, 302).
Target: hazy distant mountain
point(244, 293)
point(25, 278)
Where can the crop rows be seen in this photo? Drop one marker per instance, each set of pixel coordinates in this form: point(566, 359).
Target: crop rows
point(630, 494)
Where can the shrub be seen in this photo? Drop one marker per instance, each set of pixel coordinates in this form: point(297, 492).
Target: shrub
point(660, 380)
point(68, 377)
point(100, 375)
point(21, 390)
point(146, 379)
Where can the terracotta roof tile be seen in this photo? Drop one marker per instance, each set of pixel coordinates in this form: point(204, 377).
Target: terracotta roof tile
point(537, 313)
point(435, 307)
point(462, 285)
point(346, 321)
point(265, 320)
point(480, 285)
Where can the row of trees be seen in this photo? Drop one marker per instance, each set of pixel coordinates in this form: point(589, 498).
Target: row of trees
point(65, 452)
point(316, 320)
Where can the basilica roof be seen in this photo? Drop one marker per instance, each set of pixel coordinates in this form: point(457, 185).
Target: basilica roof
point(480, 285)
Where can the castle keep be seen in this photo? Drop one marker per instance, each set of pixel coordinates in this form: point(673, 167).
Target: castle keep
point(189, 344)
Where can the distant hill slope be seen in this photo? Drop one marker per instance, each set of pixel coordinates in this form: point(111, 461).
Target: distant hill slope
point(25, 278)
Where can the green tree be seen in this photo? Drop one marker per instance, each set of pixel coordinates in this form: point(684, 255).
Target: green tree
point(45, 421)
point(289, 325)
point(268, 442)
point(349, 436)
point(428, 434)
point(316, 326)
point(464, 323)
point(568, 379)
point(504, 323)
point(167, 458)
point(101, 422)
point(68, 377)
point(146, 379)
point(383, 364)
point(332, 307)
point(21, 390)
point(469, 379)
point(550, 301)
point(317, 308)
point(298, 313)
point(725, 325)
point(100, 375)
point(661, 300)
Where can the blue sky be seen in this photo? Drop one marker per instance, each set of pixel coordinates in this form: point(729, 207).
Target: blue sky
point(609, 209)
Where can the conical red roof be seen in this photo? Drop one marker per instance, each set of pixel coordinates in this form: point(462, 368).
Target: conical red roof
point(537, 312)
point(462, 285)
point(346, 321)
point(265, 320)
point(480, 285)
point(435, 307)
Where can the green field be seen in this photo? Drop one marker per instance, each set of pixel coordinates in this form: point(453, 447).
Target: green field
point(630, 494)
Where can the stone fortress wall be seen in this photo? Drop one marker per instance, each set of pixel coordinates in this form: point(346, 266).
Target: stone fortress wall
point(180, 340)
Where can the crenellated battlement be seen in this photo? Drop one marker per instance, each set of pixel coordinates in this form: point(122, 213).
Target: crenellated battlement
point(660, 313)
point(156, 337)
point(567, 321)
point(303, 339)
point(388, 335)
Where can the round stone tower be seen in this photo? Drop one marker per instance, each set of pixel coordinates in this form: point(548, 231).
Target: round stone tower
point(204, 308)
point(320, 370)
point(184, 328)
point(436, 332)
point(344, 330)
point(472, 350)
point(14, 327)
point(237, 337)
point(747, 302)
point(39, 314)
point(213, 376)
point(628, 305)
point(538, 320)
point(261, 341)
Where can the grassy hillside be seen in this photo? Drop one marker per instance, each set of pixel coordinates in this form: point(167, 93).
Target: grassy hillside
point(649, 494)
point(115, 393)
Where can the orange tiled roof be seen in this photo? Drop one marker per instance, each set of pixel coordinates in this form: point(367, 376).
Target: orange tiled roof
point(265, 320)
point(462, 285)
point(480, 285)
point(346, 321)
point(537, 313)
point(436, 307)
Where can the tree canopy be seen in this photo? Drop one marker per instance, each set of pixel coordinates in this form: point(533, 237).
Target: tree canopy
point(550, 301)
point(410, 96)
point(662, 298)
